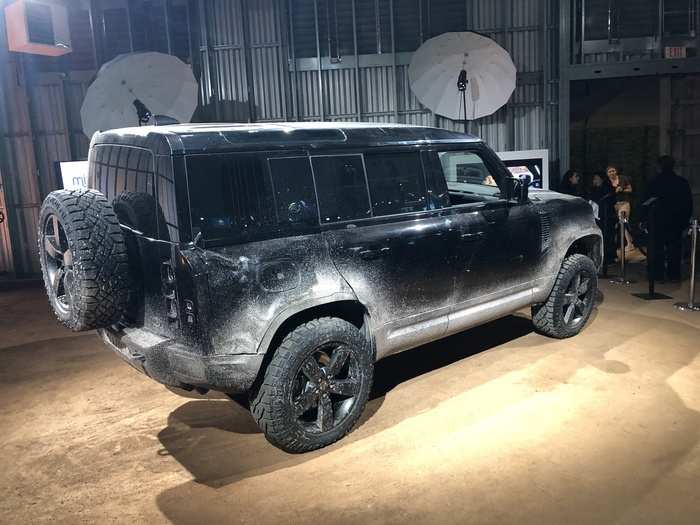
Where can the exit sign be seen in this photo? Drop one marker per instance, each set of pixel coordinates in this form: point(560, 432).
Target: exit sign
point(674, 52)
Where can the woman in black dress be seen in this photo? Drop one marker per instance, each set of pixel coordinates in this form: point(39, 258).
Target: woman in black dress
point(571, 184)
point(603, 194)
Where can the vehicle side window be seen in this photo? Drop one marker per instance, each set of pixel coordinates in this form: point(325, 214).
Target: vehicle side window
point(125, 174)
point(230, 196)
point(294, 190)
point(119, 169)
point(167, 205)
point(468, 177)
point(396, 183)
point(341, 187)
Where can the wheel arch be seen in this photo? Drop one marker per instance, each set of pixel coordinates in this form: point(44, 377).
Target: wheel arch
point(343, 306)
point(590, 245)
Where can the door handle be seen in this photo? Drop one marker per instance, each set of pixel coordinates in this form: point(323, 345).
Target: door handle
point(474, 236)
point(375, 254)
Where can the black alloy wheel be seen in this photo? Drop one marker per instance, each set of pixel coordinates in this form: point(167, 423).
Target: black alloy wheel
point(571, 301)
point(59, 265)
point(315, 386)
point(577, 298)
point(326, 387)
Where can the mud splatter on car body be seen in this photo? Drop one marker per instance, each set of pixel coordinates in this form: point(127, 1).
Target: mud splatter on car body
point(218, 289)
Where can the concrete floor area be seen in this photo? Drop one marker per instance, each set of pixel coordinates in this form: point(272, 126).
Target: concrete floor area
point(496, 425)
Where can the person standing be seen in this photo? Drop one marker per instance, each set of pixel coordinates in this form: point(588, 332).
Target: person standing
point(622, 186)
point(571, 184)
point(603, 194)
point(673, 210)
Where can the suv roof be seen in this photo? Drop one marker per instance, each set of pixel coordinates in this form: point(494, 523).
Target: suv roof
point(201, 138)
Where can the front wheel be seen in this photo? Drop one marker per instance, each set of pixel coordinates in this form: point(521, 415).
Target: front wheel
point(315, 387)
point(571, 301)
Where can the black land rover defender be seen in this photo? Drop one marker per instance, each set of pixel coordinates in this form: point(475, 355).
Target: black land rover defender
point(283, 260)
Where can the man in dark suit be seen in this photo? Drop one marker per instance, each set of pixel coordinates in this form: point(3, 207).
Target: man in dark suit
point(673, 209)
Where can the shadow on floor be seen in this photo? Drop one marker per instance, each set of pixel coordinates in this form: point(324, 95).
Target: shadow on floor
point(219, 454)
point(402, 367)
point(218, 441)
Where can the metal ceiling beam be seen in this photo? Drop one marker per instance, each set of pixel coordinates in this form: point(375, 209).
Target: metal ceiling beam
point(636, 68)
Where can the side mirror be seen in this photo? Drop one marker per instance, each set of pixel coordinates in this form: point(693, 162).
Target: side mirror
point(525, 182)
point(518, 189)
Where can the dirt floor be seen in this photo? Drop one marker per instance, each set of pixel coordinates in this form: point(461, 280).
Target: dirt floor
point(496, 425)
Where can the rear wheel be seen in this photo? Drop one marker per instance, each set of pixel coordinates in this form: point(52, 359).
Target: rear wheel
point(315, 387)
point(571, 301)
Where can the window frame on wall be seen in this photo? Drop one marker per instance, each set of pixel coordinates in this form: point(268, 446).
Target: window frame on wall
point(371, 26)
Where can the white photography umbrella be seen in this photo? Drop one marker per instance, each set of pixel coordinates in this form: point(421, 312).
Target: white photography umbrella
point(484, 70)
point(132, 87)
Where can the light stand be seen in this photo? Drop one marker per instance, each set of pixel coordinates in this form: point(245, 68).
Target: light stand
point(142, 111)
point(462, 82)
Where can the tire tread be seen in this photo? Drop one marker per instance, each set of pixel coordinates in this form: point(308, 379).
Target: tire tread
point(100, 260)
point(267, 402)
point(544, 317)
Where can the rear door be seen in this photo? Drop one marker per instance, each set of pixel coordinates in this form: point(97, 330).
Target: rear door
point(395, 252)
point(129, 177)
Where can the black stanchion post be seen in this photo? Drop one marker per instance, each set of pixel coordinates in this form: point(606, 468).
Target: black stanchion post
point(605, 219)
point(691, 305)
point(622, 278)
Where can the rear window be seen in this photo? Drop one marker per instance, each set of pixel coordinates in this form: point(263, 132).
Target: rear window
point(248, 197)
point(116, 169)
point(139, 182)
point(230, 196)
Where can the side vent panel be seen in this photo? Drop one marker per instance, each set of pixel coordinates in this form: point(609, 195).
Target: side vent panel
point(545, 231)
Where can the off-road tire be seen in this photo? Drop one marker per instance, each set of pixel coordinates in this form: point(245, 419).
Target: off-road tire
point(97, 295)
point(138, 210)
point(548, 318)
point(271, 399)
point(141, 212)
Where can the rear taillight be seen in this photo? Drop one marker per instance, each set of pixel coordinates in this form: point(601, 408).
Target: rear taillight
point(167, 277)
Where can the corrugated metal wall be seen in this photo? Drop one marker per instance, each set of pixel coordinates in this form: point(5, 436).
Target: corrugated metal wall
point(243, 60)
point(246, 61)
point(22, 191)
point(368, 87)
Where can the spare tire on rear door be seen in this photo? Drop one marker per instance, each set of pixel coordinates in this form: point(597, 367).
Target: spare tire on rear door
point(83, 259)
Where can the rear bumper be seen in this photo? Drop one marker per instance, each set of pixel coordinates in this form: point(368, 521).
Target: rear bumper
point(173, 364)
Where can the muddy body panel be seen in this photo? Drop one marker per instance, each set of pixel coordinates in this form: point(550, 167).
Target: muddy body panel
point(233, 238)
